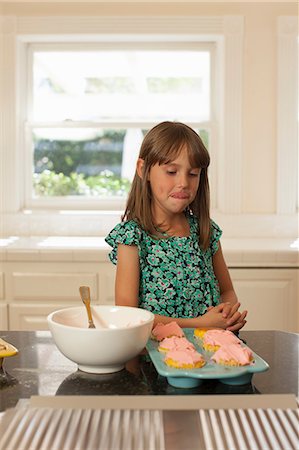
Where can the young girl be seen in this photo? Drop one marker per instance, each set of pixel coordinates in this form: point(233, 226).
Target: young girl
point(167, 249)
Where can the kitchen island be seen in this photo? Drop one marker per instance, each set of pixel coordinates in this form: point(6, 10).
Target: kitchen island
point(41, 370)
point(136, 408)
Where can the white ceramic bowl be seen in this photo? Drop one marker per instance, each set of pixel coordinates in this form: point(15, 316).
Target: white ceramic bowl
point(121, 333)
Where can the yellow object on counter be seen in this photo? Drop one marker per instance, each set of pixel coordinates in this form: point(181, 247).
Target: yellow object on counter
point(7, 349)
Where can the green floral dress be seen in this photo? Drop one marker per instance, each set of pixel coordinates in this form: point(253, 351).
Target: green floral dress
point(176, 277)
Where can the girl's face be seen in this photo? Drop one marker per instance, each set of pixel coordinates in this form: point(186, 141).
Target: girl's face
point(173, 185)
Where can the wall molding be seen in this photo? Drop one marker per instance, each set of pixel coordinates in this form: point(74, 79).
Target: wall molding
point(94, 25)
point(9, 182)
point(287, 114)
point(230, 169)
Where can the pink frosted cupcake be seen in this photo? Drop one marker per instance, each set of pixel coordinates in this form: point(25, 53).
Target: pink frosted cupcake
point(175, 343)
point(233, 355)
point(162, 331)
point(212, 340)
point(184, 359)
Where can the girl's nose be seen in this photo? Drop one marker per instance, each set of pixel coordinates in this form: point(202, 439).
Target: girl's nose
point(183, 180)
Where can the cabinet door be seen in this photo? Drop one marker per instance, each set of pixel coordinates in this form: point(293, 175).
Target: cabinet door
point(3, 317)
point(270, 296)
point(3, 306)
point(106, 276)
point(1, 285)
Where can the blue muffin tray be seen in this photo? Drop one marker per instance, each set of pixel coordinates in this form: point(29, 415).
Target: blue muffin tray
point(188, 378)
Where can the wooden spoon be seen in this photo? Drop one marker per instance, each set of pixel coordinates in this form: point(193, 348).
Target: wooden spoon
point(85, 296)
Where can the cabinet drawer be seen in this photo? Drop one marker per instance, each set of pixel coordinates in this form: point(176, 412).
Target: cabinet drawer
point(52, 286)
point(29, 317)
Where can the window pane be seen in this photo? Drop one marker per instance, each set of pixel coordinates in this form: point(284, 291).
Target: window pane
point(86, 162)
point(124, 85)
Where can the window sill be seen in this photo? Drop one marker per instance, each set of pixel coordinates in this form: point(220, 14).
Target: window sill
point(241, 252)
point(99, 223)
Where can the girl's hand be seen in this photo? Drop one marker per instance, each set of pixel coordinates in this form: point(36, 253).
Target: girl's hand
point(230, 309)
point(234, 320)
point(214, 317)
point(236, 326)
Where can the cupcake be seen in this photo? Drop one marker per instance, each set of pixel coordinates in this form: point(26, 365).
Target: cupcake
point(186, 359)
point(233, 355)
point(214, 339)
point(162, 331)
point(199, 332)
point(175, 343)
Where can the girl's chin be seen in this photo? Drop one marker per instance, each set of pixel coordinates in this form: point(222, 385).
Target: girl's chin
point(174, 208)
point(179, 205)
point(178, 210)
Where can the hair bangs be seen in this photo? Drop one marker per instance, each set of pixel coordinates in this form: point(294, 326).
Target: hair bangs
point(198, 155)
point(171, 152)
point(171, 140)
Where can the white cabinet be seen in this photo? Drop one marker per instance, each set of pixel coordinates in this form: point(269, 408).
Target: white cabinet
point(29, 316)
point(33, 290)
point(3, 305)
point(30, 289)
point(270, 296)
point(3, 316)
point(1, 285)
point(48, 286)
point(106, 281)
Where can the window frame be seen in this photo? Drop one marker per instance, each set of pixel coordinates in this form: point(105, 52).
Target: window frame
point(137, 43)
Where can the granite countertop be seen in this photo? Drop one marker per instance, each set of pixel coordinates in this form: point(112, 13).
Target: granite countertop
point(241, 252)
point(40, 369)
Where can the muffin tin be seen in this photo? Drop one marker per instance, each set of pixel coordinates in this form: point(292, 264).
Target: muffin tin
point(188, 378)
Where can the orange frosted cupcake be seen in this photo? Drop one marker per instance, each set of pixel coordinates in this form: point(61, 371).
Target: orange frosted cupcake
point(175, 343)
point(214, 339)
point(233, 355)
point(162, 331)
point(184, 359)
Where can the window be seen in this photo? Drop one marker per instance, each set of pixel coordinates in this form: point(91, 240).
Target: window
point(90, 105)
point(22, 212)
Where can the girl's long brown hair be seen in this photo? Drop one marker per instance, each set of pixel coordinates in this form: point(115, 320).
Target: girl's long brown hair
point(161, 145)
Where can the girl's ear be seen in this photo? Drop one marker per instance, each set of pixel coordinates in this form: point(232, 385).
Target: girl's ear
point(139, 167)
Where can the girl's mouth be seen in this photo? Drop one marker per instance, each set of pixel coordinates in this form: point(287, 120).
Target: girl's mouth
point(180, 195)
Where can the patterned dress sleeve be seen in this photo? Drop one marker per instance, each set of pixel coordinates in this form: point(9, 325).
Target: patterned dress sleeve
point(216, 233)
point(127, 233)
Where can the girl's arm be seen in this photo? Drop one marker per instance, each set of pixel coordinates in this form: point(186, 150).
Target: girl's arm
point(222, 274)
point(236, 320)
point(127, 275)
point(214, 318)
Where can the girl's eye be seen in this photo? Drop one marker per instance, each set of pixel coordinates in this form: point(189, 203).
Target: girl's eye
point(192, 174)
point(171, 172)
